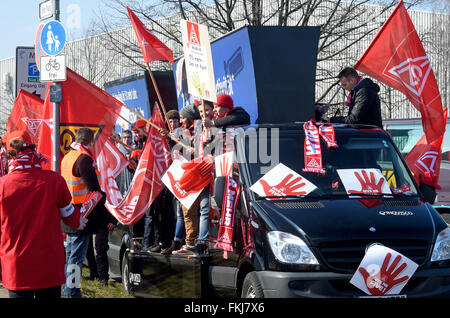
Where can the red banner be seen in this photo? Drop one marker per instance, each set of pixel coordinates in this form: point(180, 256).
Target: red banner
point(110, 163)
point(228, 218)
point(397, 58)
point(83, 105)
point(152, 48)
point(26, 115)
point(424, 160)
point(146, 185)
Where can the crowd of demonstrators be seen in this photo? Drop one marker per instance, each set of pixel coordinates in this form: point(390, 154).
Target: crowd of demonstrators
point(33, 202)
point(167, 227)
point(363, 102)
point(78, 169)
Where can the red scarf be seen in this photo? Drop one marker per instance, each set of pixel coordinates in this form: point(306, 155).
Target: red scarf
point(26, 159)
point(77, 146)
point(228, 218)
point(349, 97)
point(312, 150)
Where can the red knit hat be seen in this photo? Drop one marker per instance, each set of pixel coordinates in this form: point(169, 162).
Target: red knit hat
point(18, 135)
point(224, 100)
point(140, 123)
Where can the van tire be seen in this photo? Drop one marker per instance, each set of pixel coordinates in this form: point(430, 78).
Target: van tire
point(251, 288)
point(125, 273)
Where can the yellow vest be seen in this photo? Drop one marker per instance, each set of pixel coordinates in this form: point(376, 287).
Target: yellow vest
point(78, 189)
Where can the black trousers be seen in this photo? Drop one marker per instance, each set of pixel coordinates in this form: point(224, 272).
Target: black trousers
point(98, 262)
point(53, 292)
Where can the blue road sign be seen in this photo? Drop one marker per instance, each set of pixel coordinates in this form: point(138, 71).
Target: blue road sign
point(53, 38)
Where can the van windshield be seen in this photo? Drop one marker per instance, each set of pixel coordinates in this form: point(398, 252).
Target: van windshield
point(371, 151)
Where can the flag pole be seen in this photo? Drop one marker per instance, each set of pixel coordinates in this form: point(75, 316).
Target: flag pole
point(157, 127)
point(159, 97)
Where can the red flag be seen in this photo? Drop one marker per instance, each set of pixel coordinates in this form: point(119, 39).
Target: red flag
point(26, 114)
point(152, 48)
point(146, 185)
point(110, 163)
point(83, 105)
point(397, 58)
point(424, 160)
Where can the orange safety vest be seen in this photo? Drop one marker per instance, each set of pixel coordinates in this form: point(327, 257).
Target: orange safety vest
point(78, 189)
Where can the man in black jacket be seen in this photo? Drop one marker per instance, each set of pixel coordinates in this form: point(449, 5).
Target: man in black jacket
point(363, 101)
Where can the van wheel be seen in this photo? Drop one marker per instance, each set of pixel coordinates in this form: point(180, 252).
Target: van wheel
point(125, 273)
point(252, 287)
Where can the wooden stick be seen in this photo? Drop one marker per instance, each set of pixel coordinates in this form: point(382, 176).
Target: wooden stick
point(157, 127)
point(159, 97)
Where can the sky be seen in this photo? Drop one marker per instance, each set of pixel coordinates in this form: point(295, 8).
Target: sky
point(19, 20)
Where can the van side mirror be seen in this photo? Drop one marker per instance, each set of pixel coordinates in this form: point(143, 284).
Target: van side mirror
point(219, 189)
point(429, 193)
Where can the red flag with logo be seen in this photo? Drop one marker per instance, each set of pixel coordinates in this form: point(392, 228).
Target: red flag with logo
point(146, 185)
point(152, 48)
point(83, 105)
point(424, 160)
point(26, 114)
point(397, 58)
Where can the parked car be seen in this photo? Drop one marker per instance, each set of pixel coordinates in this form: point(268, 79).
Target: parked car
point(301, 246)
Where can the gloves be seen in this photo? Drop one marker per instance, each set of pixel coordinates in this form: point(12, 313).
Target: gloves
point(197, 173)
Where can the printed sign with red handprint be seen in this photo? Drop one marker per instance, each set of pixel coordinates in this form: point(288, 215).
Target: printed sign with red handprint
point(383, 271)
point(224, 164)
point(281, 182)
point(364, 181)
point(172, 179)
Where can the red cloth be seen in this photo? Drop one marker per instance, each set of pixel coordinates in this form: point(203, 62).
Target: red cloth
point(152, 48)
point(31, 243)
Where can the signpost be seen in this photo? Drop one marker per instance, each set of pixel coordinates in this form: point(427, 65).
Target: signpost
point(50, 40)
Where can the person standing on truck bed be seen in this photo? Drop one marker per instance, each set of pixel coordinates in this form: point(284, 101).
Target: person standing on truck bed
point(226, 115)
point(32, 204)
point(77, 168)
point(363, 102)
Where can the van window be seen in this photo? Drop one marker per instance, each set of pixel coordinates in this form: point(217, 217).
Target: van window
point(405, 136)
point(353, 152)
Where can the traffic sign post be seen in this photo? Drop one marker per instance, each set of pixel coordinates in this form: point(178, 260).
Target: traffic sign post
point(50, 40)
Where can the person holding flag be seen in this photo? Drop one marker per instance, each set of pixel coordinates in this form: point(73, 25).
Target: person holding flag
point(81, 175)
point(397, 58)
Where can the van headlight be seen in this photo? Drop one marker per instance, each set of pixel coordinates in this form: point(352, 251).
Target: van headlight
point(290, 249)
point(441, 250)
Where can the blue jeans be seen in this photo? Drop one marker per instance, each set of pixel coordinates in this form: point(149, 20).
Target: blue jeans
point(180, 231)
point(76, 248)
point(203, 232)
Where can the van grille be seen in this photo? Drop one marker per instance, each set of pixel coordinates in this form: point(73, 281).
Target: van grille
point(347, 255)
point(299, 205)
point(401, 202)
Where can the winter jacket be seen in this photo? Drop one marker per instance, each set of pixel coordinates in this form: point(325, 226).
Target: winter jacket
point(236, 117)
point(365, 106)
point(31, 242)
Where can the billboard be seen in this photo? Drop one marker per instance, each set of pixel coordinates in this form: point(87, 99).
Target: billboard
point(268, 71)
point(133, 92)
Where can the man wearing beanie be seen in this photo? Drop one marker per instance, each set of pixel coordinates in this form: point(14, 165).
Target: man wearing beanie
point(226, 115)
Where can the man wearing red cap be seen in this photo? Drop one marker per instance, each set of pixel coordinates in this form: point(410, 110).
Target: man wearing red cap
point(226, 115)
point(32, 204)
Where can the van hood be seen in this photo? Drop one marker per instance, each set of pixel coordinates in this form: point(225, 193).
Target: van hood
point(353, 219)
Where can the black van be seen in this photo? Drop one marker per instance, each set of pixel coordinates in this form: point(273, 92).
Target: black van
point(306, 246)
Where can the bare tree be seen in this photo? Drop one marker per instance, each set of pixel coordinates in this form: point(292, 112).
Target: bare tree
point(345, 25)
